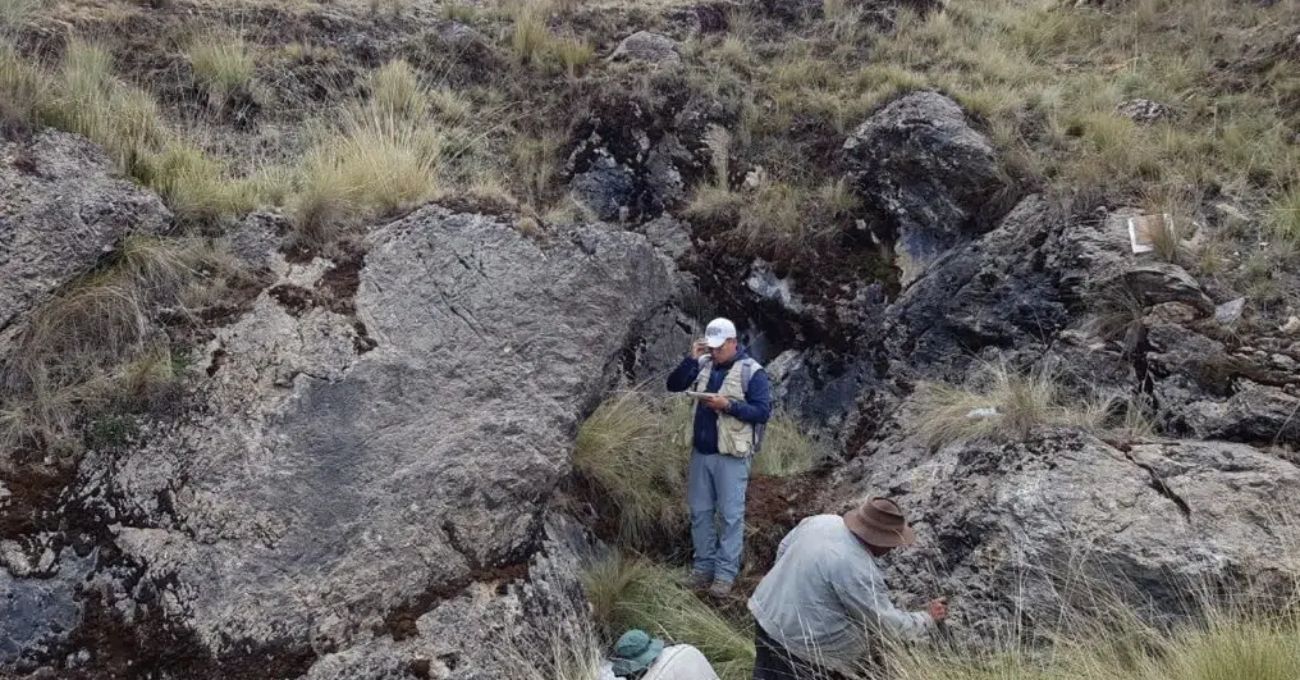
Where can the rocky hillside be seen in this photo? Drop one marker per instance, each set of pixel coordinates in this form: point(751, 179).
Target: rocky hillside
point(305, 303)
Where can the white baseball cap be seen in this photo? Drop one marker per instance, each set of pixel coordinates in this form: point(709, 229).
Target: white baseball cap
point(718, 332)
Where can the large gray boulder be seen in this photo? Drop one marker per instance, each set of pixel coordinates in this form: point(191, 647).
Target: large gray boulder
point(920, 163)
point(376, 443)
point(63, 208)
point(1017, 533)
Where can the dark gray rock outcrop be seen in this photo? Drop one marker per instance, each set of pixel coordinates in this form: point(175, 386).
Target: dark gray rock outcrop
point(937, 180)
point(633, 157)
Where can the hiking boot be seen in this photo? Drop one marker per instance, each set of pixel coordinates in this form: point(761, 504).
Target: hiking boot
point(700, 580)
point(720, 589)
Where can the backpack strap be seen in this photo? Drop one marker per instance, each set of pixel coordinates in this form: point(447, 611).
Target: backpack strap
point(748, 368)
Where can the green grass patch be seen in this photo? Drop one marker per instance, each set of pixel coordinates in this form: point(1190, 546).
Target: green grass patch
point(636, 448)
point(627, 593)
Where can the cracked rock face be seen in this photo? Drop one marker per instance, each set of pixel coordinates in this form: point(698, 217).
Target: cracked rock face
point(1013, 532)
point(326, 483)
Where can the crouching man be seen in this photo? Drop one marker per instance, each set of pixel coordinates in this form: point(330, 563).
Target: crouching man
point(726, 432)
point(823, 607)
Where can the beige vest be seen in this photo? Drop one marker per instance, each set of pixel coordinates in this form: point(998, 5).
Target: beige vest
point(735, 436)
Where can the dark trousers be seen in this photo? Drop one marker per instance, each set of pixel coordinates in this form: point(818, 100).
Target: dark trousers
point(774, 662)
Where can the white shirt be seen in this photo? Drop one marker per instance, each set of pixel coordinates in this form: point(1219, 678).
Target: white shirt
point(680, 662)
point(825, 593)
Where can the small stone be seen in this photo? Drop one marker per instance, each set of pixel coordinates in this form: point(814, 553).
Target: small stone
point(1143, 111)
point(653, 48)
point(1291, 327)
point(1229, 312)
point(1172, 312)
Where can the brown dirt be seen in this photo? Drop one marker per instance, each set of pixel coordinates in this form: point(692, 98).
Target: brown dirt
point(295, 299)
point(338, 286)
point(774, 505)
point(32, 505)
point(151, 648)
point(400, 623)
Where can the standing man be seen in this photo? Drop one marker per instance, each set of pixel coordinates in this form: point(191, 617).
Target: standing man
point(726, 433)
point(824, 603)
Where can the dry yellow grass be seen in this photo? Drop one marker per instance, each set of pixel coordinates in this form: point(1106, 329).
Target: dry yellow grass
point(635, 448)
point(371, 168)
point(222, 65)
point(1005, 405)
point(95, 343)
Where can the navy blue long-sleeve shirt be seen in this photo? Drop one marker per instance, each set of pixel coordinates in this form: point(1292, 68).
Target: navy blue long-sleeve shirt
point(756, 408)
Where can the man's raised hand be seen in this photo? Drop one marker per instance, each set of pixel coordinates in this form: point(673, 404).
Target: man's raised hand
point(937, 609)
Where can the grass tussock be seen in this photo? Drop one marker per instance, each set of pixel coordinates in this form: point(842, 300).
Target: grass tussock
point(627, 593)
point(21, 91)
point(197, 187)
point(371, 168)
point(15, 13)
point(1285, 216)
point(563, 655)
point(635, 448)
point(1224, 646)
point(96, 344)
point(786, 450)
point(534, 44)
point(222, 65)
point(381, 158)
point(87, 99)
point(1005, 405)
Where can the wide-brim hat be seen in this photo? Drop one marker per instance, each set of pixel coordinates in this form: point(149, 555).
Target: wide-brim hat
point(634, 652)
point(880, 522)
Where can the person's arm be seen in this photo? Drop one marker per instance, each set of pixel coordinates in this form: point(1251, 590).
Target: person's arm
point(861, 589)
point(757, 406)
point(684, 375)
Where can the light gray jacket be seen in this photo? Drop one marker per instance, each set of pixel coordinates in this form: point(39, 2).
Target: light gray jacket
point(825, 597)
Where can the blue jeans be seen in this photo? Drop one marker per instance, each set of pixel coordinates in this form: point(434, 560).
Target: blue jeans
point(715, 485)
